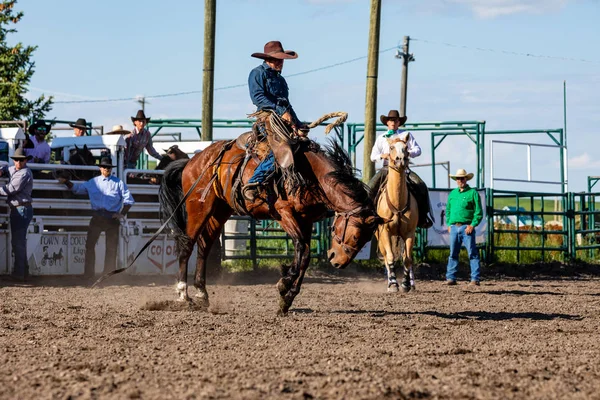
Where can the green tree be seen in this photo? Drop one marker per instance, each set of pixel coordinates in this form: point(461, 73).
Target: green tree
point(16, 70)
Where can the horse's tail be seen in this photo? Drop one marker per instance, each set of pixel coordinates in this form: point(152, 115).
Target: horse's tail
point(170, 196)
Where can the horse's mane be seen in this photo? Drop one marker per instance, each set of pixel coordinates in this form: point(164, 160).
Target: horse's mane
point(344, 173)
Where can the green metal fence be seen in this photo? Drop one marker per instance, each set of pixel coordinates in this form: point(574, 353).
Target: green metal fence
point(265, 240)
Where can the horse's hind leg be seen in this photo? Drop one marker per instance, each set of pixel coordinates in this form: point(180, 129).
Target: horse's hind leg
point(184, 250)
point(409, 278)
point(205, 241)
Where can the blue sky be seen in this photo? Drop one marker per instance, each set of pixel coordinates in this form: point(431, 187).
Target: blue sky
point(470, 65)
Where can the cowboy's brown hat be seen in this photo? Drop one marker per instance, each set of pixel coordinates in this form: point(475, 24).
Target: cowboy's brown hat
point(81, 123)
point(19, 154)
point(106, 162)
point(140, 116)
point(39, 127)
point(461, 173)
point(118, 130)
point(274, 49)
point(393, 114)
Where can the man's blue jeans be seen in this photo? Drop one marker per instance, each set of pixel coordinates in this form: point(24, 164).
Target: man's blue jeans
point(264, 169)
point(457, 238)
point(20, 217)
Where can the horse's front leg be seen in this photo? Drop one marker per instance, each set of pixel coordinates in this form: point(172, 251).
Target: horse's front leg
point(302, 250)
point(291, 281)
point(385, 247)
point(409, 278)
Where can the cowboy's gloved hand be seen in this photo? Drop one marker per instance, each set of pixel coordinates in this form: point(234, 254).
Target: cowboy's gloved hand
point(303, 130)
point(62, 179)
point(384, 156)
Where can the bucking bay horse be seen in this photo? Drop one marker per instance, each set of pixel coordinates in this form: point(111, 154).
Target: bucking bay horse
point(330, 185)
point(399, 208)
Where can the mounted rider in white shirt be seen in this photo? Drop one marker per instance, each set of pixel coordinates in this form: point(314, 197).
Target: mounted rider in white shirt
point(381, 151)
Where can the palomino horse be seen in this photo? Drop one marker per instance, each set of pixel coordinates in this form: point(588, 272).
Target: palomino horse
point(329, 185)
point(399, 207)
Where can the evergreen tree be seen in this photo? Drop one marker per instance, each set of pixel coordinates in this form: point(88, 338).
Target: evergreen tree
point(16, 70)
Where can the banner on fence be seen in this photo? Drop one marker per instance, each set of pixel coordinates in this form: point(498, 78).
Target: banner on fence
point(438, 235)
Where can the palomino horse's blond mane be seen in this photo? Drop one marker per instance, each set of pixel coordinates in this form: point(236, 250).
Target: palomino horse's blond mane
point(399, 207)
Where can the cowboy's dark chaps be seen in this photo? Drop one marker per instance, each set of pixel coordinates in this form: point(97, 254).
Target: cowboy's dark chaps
point(416, 186)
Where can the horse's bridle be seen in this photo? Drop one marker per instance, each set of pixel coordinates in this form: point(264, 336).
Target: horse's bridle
point(346, 215)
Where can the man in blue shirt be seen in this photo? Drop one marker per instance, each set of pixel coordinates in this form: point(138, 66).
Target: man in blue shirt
point(269, 91)
point(18, 192)
point(111, 201)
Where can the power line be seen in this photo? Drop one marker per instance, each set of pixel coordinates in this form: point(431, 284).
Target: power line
point(157, 96)
point(513, 53)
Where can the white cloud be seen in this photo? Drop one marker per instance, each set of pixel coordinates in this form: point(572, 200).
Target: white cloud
point(583, 161)
point(499, 8)
point(488, 9)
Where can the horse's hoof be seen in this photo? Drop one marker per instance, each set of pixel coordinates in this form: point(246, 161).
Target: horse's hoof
point(283, 308)
point(393, 288)
point(406, 288)
point(184, 300)
point(201, 301)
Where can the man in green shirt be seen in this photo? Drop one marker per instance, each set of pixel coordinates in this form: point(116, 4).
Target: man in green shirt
point(463, 214)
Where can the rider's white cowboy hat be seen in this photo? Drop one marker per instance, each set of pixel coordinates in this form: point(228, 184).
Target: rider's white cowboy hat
point(118, 130)
point(274, 49)
point(461, 173)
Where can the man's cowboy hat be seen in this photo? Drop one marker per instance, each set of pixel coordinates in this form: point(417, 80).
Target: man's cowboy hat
point(274, 49)
point(118, 130)
point(393, 114)
point(81, 123)
point(106, 163)
point(140, 116)
point(19, 154)
point(461, 173)
point(39, 127)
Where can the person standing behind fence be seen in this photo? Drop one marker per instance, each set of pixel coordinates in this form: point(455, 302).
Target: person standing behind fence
point(111, 200)
point(79, 127)
point(463, 214)
point(41, 149)
point(139, 139)
point(18, 191)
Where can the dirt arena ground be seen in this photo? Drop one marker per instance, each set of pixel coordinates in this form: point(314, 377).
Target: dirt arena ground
point(345, 338)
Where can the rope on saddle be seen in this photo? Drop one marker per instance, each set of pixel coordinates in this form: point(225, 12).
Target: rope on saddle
point(163, 226)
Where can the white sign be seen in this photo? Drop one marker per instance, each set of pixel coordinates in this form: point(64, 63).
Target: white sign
point(438, 234)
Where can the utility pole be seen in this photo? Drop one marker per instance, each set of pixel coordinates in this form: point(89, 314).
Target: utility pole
point(371, 95)
point(406, 58)
point(208, 73)
point(142, 101)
